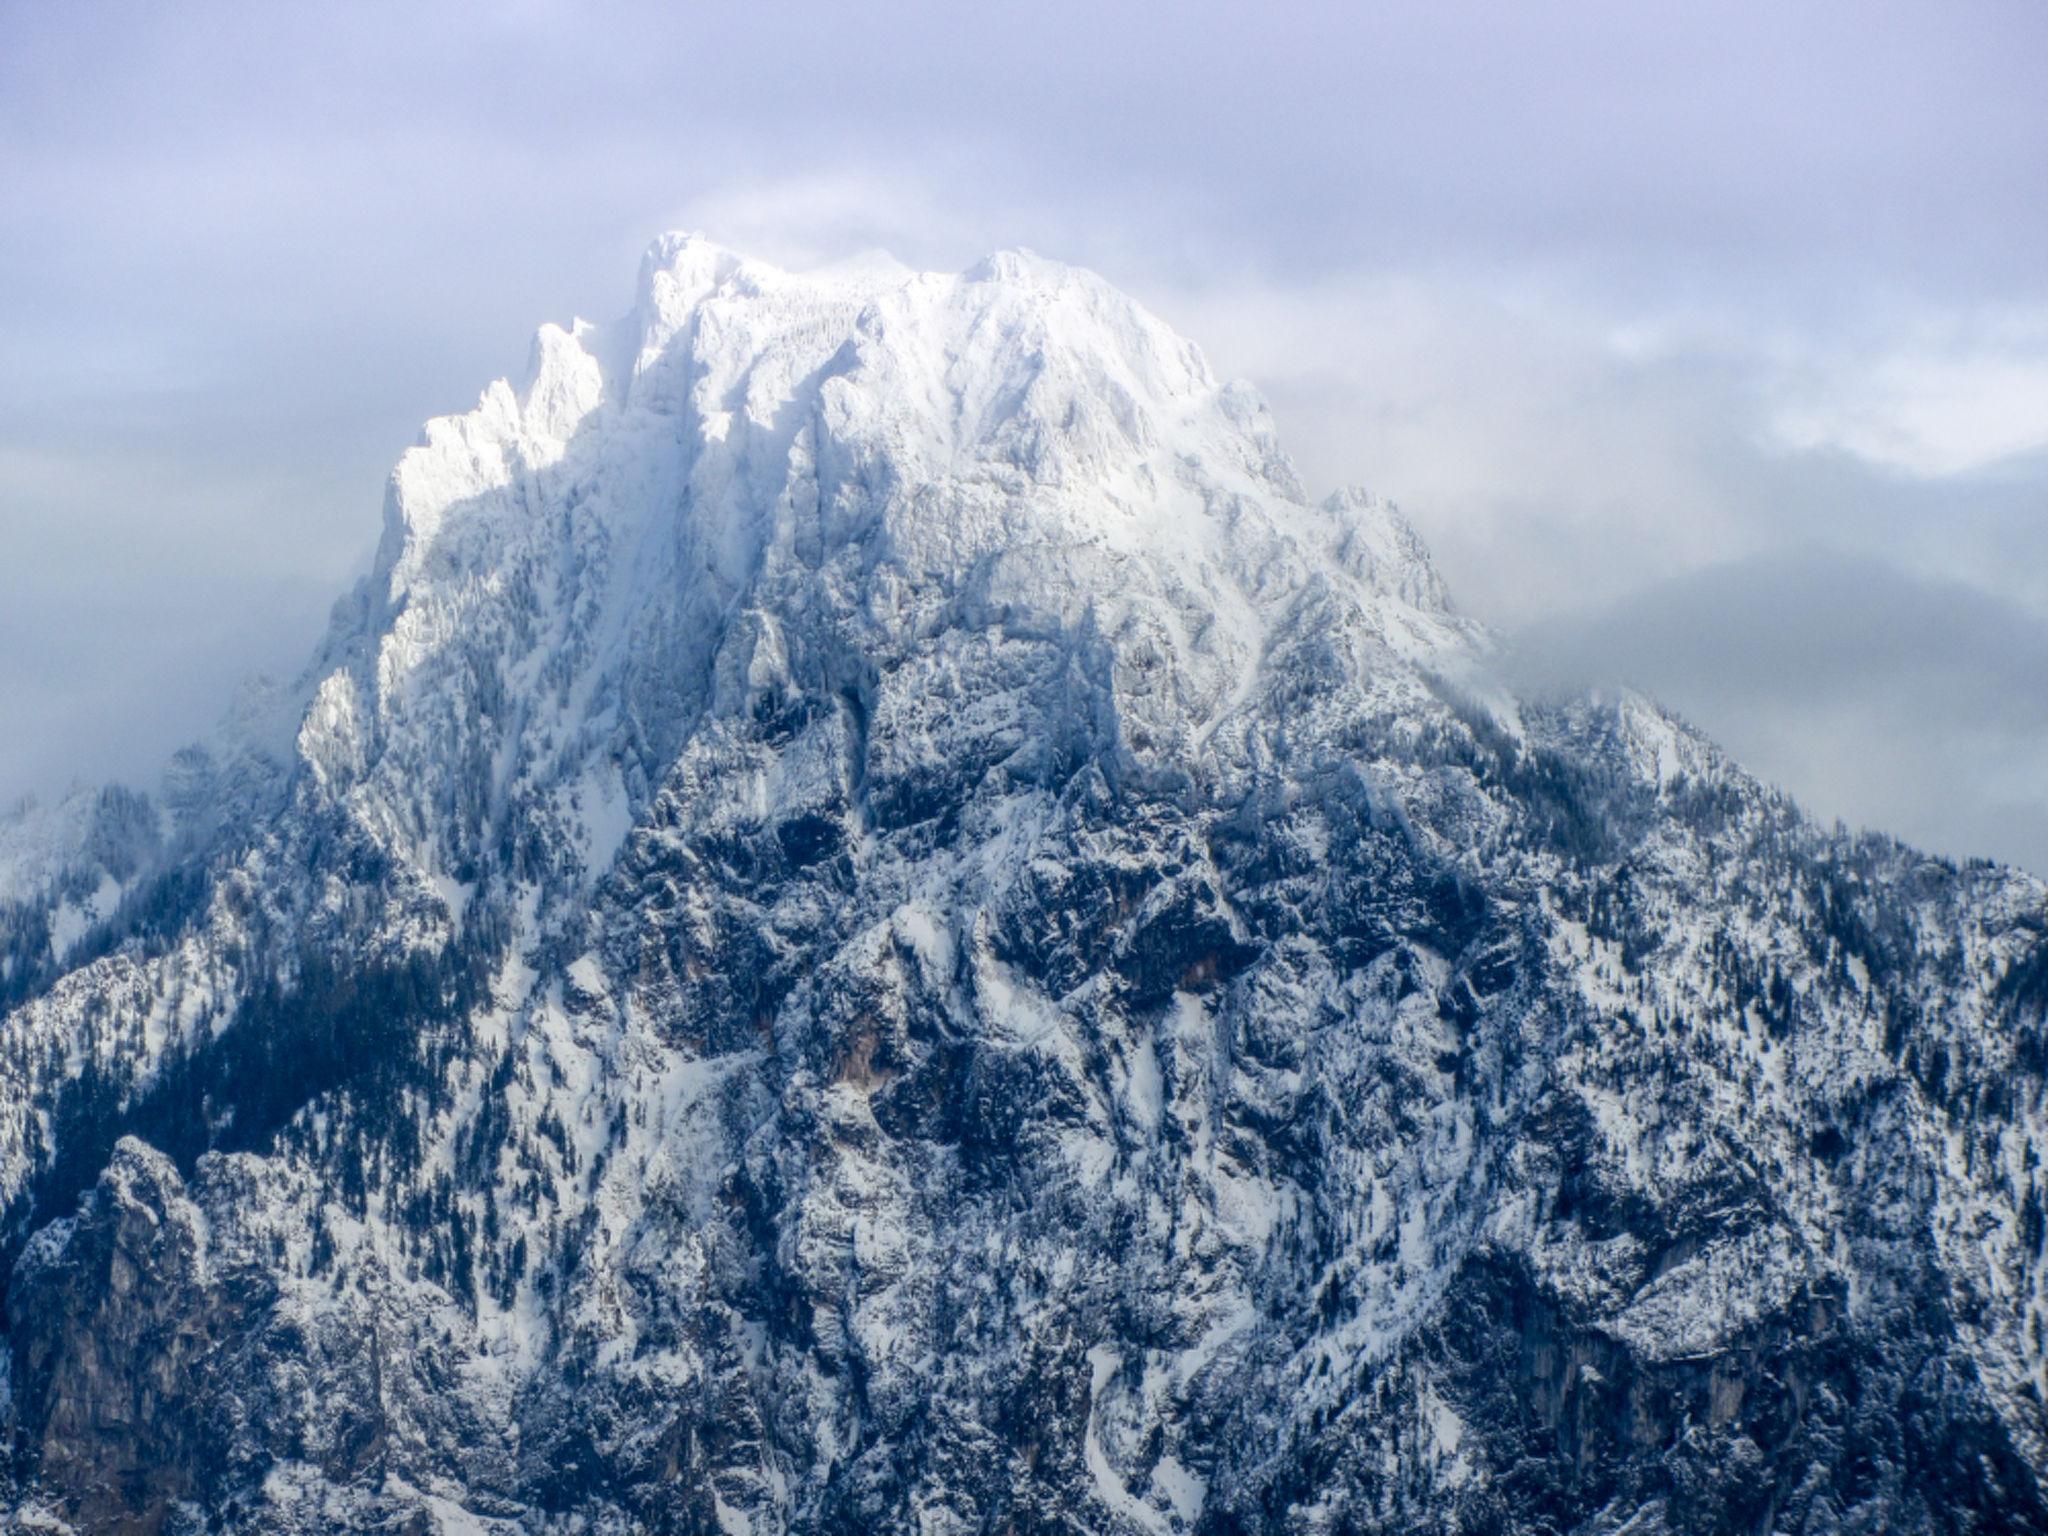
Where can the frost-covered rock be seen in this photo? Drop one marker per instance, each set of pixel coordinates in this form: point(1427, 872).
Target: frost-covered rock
point(872, 922)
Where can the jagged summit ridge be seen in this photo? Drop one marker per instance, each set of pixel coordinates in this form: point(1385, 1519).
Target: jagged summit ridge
point(812, 448)
point(1021, 372)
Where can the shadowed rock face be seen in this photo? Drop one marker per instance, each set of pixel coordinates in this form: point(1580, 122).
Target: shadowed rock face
point(117, 1325)
point(874, 925)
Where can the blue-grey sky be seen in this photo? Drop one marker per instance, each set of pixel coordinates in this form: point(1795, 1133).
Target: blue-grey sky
point(1707, 343)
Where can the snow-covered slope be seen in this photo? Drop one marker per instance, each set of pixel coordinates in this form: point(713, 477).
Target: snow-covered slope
point(874, 923)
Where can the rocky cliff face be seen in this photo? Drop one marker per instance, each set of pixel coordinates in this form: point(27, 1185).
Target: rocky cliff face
point(874, 924)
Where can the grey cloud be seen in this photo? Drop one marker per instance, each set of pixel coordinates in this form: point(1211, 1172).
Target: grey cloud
point(1912, 703)
point(1746, 135)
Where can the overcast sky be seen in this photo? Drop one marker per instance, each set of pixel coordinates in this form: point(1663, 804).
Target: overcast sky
point(1707, 343)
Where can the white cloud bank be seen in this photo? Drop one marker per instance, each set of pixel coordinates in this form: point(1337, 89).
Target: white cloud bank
point(1959, 398)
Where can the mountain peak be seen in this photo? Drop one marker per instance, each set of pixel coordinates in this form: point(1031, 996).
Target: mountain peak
point(1023, 399)
point(877, 924)
point(846, 464)
point(1021, 438)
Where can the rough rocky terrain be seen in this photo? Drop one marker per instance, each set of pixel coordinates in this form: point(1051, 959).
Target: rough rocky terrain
point(872, 922)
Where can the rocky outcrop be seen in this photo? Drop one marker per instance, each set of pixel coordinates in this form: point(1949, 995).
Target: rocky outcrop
point(117, 1326)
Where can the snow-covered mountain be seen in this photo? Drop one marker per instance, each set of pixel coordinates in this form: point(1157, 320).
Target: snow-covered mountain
point(872, 923)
